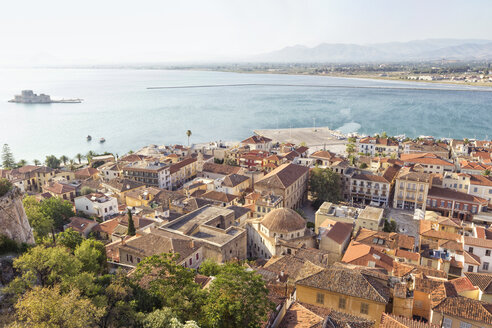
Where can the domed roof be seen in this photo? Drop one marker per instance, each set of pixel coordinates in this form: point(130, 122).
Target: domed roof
point(283, 220)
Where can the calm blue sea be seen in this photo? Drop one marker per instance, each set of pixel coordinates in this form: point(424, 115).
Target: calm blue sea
point(119, 107)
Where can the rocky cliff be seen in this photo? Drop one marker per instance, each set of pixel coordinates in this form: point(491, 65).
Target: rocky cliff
point(13, 219)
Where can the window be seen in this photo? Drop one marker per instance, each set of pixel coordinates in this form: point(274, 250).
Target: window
point(470, 268)
point(447, 323)
point(364, 308)
point(485, 265)
point(197, 256)
point(320, 298)
point(341, 303)
point(487, 252)
point(470, 250)
point(465, 325)
point(87, 207)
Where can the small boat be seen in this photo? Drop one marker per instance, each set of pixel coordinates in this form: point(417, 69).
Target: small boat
point(102, 140)
point(89, 138)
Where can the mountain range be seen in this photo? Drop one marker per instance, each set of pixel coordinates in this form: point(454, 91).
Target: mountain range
point(418, 50)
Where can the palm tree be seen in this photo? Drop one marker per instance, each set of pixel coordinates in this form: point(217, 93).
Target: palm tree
point(89, 155)
point(64, 159)
point(79, 157)
point(71, 165)
point(36, 162)
point(188, 133)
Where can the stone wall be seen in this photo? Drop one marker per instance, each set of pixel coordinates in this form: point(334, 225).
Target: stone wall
point(13, 219)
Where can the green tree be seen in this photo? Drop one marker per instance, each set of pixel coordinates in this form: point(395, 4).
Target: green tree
point(131, 225)
point(21, 163)
point(48, 307)
point(58, 210)
point(71, 165)
point(41, 224)
point(209, 268)
point(52, 161)
point(350, 148)
point(390, 226)
point(8, 161)
point(363, 166)
point(86, 190)
point(172, 284)
point(486, 172)
point(92, 254)
point(352, 140)
point(165, 318)
point(5, 186)
point(237, 298)
point(90, 155)
point(188, 134)
point(36, 162)
point(45, 266)
point(79, 157)
point(324, 185)
point(117, 299)
point(69, 238)
point(64, 159)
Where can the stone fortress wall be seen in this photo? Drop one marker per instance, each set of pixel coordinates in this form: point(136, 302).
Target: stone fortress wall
point(13, 219)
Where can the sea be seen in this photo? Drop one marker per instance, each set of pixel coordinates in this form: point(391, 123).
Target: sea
point(121, 106)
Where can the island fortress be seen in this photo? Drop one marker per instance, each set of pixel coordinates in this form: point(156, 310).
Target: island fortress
point(29, 97)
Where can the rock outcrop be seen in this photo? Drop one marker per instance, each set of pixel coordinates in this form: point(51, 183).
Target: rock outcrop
point(13, 219)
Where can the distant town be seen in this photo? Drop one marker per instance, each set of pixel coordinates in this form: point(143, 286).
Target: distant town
point(308, 227)
point(443, 71)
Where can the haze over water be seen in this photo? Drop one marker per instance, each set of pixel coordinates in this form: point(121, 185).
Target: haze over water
point(119, 107)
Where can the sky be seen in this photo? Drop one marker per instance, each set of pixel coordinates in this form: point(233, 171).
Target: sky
point(110, 32)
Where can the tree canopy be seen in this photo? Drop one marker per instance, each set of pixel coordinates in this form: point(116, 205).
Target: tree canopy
point(237, 298)
point(52, 161)
point(8, 161)
point(49, 307)
point(324, 185)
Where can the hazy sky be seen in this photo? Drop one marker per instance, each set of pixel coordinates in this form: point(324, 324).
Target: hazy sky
point(110, 31)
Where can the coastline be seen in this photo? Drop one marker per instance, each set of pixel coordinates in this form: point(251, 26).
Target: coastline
point(348, 76)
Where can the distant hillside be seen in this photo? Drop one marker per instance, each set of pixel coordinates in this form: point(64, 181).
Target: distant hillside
point(418, 50)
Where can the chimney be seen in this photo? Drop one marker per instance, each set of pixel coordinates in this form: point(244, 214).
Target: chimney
point(192, 243)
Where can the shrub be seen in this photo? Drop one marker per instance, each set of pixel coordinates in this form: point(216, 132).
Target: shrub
point(5, 186)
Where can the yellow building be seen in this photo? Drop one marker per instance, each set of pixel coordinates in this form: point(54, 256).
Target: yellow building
point(141, 197)
point(411, 189)
point(370, 218)
point(461, 312)
point(338, 213)
point(344, 290)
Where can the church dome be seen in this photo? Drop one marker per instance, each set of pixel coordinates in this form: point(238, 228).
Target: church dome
point(283, 220)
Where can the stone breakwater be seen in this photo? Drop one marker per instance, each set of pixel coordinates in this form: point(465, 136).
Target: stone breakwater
point(13, 219)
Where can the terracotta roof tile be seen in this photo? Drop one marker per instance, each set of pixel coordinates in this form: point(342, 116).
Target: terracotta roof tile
point(283, 176)
point(393, 321)
point(348, 282)
point(339, 232)
point(481, 280)
point(466, 308)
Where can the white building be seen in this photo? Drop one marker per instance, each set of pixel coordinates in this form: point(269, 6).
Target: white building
point(472, 184)
point(258, 143)
point(481, 248)
point(269, 236)
point(96, 204)
point(372, 146)
point(153, 174)
point(109, 171)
